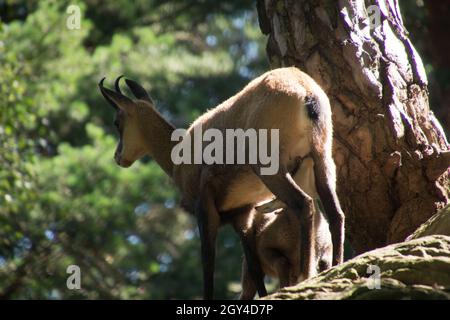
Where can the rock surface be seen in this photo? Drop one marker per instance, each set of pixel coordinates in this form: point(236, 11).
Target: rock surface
point(437, 224)
point(415, 269)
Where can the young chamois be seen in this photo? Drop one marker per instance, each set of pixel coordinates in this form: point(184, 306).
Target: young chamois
point(277, 237)
point(285, 99)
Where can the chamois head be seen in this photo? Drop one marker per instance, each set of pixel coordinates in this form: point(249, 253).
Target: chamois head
point(131, 144)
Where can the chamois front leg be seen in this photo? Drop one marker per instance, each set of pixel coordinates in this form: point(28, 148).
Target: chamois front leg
point(254, 265)
point(254, 272)
point(208, 224)
point(248, 285)
point(285, 189)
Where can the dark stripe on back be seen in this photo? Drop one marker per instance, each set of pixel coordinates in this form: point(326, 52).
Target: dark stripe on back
point(313, 107)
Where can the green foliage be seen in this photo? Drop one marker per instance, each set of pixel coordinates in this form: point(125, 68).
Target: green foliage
point(63, 200)
point(17, 188)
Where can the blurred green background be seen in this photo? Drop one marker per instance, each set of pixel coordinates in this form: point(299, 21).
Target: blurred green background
point(63, 200)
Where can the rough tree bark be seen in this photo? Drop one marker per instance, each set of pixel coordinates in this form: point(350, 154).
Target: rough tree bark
point(391, 153)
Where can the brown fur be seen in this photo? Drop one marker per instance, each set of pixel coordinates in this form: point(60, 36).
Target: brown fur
point(275, 100)
point(272, 101)
point(276, 232)
point(278, 248)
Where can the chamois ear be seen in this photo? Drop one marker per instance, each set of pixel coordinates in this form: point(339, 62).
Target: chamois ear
point(116, 99)
point(138, 91)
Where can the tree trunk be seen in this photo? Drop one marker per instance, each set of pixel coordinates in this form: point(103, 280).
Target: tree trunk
point(391, 153)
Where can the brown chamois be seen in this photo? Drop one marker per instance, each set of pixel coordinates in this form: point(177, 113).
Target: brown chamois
point(277, 237)
point(286, 100)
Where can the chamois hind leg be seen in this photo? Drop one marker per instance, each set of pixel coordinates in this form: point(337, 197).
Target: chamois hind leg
point(325, 179)
point(252, 262)
point(208, 220)
point(285, 189)
point(248, 285)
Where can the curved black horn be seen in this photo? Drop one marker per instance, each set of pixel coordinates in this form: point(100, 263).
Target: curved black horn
point(102, 88)
point(138, 91)
point(116, 99)
point(117, 84)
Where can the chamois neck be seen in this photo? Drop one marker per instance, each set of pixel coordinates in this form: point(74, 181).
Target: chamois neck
point(157, 133)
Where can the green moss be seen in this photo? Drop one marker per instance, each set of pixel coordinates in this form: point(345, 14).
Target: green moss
point(404, 274)
point(437, 224)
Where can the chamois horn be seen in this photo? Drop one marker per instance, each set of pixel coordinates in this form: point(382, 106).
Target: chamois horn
point(117, 84)
point(100, 85)
point(115, 99)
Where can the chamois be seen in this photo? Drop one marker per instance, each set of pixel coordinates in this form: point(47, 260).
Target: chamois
point(276, 235)
point(285, 99)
